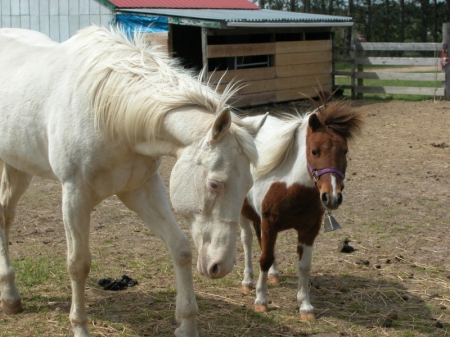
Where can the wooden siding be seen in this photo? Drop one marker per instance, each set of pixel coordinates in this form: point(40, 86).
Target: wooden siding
point(299, 68)
point(246, 75)
point(291, 47)
point(244, 49)
point(59, 19)
point(302, 67)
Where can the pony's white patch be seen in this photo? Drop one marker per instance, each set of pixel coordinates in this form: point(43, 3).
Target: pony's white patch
point(334, 184)
point(304, 269)
point(281, 145)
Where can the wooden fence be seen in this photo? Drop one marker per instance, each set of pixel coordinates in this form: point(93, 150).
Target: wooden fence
point(360, 55)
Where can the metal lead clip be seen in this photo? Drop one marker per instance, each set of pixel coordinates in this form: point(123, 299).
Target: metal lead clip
point(329, 223)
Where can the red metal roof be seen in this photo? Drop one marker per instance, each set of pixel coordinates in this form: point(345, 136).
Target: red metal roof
point(201, 4)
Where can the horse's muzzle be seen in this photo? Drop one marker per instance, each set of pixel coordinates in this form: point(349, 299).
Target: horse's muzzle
point(331, 201)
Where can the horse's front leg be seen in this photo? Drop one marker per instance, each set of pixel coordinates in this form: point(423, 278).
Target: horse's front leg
point(268, 239)
point(304, 269)
point(14, 184)
point(150, 202)
point(76, 206)
point(247, 241)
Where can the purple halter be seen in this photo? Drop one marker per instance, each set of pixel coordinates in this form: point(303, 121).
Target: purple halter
point(317, 173)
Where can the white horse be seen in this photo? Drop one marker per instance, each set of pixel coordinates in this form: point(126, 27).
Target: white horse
point(96, 113)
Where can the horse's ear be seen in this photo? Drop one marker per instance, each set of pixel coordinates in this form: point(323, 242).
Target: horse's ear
point(221, 125)
point(314, 122)
point(253, 128)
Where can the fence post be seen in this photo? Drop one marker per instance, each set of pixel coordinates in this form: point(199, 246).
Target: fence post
point(360, 69)
point(352, 57)
point(446, 43)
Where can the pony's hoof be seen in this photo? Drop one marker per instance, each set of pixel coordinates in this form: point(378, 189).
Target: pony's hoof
point(274, 279)
point(12, 308)
point(261, 307)
point(307, 316)
point(246, 289)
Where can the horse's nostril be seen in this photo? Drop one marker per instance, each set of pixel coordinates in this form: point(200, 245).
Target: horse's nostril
point(214, 270)
point(339, 199)
point(325, 198)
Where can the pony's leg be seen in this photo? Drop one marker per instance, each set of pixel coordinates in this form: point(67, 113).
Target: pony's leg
point(14, 184)
point(76, 206)
point(304, 269)
point(268, 239)
point(247, 241)
point(150, 202)
point(274, 273)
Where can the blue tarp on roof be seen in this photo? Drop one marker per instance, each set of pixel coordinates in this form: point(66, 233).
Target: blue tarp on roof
point(143, 24)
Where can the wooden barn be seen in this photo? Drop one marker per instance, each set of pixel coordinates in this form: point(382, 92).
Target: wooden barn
point(278, 54)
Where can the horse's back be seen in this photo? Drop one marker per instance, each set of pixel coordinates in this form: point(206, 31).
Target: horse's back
point(24, 36)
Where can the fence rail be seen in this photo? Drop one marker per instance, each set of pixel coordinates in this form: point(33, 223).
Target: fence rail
point(360, 56)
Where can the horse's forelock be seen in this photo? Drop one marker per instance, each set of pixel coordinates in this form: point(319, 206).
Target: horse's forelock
point(341, 118)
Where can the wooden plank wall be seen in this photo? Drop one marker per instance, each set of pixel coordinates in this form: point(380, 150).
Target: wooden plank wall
point(59, 19)
point(299, 67)
point(302, 67)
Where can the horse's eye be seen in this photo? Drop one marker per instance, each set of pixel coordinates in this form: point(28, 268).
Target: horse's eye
point(315, 153)
point(214, 185)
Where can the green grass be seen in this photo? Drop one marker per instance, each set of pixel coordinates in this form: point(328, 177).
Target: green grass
point(35, 271)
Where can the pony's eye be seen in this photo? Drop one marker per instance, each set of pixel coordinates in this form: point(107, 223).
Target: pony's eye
point(315, 153)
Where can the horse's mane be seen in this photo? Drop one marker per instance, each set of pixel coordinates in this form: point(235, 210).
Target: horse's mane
point(133, 85)
point(337, 116)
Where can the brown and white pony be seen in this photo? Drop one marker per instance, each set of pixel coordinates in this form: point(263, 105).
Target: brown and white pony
point(300, 175)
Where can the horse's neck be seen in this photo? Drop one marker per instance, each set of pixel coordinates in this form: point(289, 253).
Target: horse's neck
point(180, 128)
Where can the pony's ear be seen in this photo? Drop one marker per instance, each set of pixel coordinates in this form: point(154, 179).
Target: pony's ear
point(253, 128)
point(221, 125)
point(314, 122)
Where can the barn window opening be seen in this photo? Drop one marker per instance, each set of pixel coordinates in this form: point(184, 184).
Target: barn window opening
point(247, 62)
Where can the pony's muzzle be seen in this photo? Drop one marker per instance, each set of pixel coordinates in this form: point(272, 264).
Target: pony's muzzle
point(331, 201)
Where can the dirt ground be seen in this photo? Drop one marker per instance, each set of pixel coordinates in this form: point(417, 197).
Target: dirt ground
point(395, 214)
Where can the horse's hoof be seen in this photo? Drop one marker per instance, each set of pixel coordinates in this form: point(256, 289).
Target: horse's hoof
point(261, 307)
point(274, 279)
point(246, 289)
point(12, 308)
point(307, 316)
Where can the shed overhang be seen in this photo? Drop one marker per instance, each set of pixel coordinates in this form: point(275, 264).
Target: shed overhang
point(223, 18)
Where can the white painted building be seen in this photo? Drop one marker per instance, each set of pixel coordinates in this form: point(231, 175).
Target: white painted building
point(59, 19)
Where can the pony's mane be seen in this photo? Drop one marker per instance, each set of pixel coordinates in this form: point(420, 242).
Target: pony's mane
point(338, 117)
point(279, 146)
point(133, 85)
